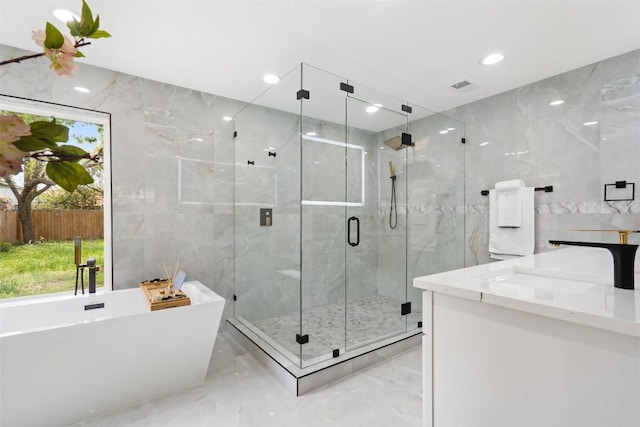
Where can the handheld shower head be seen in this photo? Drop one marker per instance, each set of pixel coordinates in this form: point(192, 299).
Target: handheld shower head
point(392, 171)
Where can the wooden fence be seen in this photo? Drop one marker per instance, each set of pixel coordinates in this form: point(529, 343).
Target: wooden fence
point(54, 225)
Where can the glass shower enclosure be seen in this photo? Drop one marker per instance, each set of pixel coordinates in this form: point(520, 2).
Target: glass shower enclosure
point(342, 196)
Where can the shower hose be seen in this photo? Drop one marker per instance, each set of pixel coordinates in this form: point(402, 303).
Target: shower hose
point(393, 210)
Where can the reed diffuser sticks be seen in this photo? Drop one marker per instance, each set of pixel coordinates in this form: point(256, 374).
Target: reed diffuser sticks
point(169, 273)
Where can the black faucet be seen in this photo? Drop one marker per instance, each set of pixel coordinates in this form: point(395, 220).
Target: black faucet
point(624, 256)
point(91, 263)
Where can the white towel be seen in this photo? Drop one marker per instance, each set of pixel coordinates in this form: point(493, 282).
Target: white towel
point(509, 242)
point(509, 201)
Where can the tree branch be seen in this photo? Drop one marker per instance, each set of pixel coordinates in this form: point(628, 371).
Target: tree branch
point(49, 157)
point(12, 186)
point(28, 187)
point(21, 58)
point(79, 43)
point(43, 189)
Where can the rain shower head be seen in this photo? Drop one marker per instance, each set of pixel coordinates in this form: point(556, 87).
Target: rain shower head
point(399, 142)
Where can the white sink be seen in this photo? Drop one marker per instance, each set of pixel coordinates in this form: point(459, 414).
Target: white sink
point(538, 280)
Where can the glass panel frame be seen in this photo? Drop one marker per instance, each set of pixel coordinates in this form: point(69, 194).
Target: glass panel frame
point(322, 307)
point(376, 268)
point(327, 145)
point(266, 216)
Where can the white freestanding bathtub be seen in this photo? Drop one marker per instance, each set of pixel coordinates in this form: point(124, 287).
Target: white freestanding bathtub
point(62, 361)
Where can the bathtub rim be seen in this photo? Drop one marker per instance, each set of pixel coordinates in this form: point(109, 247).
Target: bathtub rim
point(204, 296)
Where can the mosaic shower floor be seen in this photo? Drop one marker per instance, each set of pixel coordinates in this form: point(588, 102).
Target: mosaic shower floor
point(367, 320)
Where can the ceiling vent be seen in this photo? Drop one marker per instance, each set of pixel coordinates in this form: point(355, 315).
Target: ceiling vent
point(460, 85)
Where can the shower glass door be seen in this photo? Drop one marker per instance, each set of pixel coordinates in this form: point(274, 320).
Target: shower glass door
point(322, 223)
point(375, 214)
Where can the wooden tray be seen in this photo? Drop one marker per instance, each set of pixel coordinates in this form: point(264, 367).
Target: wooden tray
point(157, 289)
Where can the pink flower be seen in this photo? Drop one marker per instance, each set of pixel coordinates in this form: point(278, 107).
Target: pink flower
point(39, 36)
point(63, 64)
point(61, 59)
point(12, 128)
point(10, 167)
point(68, 47)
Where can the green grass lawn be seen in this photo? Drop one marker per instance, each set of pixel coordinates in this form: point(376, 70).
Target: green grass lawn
point(44, 268)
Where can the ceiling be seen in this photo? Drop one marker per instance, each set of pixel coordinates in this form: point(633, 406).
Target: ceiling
point(414, 50)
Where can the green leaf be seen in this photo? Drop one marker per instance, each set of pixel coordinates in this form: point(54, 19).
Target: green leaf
point(67, 151)
point(50, 131)
point(68, 175)
point(86, 12)
point(74, 27)
point(29, 143)
point(78, 54)
point(54, 38)
point(86, 21)
point(96, 25)
point(99, 34)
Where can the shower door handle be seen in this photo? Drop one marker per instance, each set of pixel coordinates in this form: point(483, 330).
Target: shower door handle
point(357, 242)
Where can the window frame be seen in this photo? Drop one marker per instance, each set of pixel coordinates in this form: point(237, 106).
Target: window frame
point(61, 111)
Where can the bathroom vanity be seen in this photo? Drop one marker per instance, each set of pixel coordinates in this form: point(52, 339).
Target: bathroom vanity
point(544, 340)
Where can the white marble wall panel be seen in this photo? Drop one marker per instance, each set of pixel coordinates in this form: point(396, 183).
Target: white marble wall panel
point(517, 134)
point(512, 135)
point(152, 124)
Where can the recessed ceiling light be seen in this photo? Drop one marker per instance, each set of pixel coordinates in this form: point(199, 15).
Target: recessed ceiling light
point(444, 131)
point(493, 58)
point(65, 15)
point(590, 123)
point(81, 89)
point(371, 109)
point(227, 118)
point(482, 144)
point(311, 133)
point(557, 102)
point(450, 129)
point(198, 139)
point(271, 79)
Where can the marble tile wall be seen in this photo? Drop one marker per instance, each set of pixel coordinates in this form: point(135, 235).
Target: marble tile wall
point(430, 195)
point(173, 173)
point(161, 136)
point(517, 134)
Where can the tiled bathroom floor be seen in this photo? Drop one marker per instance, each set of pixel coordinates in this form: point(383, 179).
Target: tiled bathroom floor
point(367, 320)
point(240, 392)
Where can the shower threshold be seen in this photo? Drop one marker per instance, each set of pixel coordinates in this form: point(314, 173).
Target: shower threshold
point(285, 366)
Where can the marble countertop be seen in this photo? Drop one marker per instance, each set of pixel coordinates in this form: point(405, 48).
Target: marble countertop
point(573, 284)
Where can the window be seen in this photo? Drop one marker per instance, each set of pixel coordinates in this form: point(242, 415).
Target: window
point(46, 263)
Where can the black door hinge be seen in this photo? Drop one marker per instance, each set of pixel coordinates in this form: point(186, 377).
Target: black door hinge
point(405, 308)
point(346, 87)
